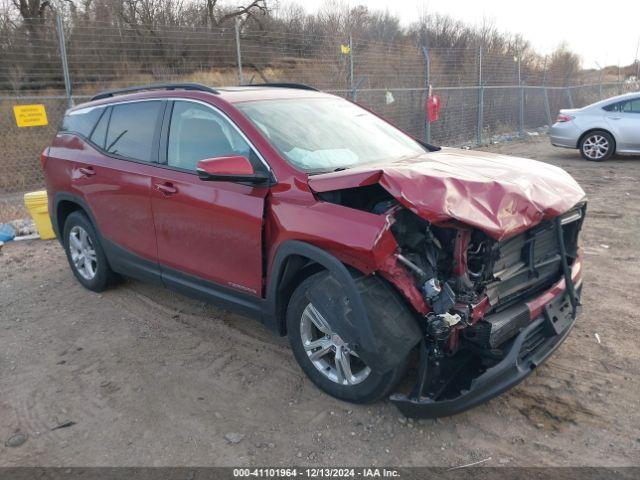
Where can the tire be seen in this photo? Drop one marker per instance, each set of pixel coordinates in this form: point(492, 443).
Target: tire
point(363, 386)
point(85, 254)
point(597, 146)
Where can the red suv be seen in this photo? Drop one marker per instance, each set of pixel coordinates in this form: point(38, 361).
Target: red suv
point(377, 254)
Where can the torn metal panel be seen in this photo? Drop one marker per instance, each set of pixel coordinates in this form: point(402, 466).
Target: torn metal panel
point(400, 277)
point(500, 195)
point(360, 239)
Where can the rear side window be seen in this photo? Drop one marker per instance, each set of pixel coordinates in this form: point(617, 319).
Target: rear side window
point(632, 106)
point(82, 121)
point(99, 134)
point(131, 129)
point(627, 106)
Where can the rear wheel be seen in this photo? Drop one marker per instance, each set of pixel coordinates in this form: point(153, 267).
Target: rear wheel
point(597, 146)
point(84, 253)
point(326, 358)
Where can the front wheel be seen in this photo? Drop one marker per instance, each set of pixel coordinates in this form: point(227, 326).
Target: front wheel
point(326, 358)
point(597, 146)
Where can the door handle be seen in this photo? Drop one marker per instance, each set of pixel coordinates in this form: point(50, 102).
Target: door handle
point(87, 171)
point(615, 118)
point(166, 188)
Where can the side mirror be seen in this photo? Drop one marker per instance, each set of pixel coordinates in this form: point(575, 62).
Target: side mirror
point(229, 169)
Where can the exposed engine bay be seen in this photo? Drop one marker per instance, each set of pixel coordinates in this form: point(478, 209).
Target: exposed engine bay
point(472, 288)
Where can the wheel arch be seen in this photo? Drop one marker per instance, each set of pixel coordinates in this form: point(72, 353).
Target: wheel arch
point(64, 205)
point(294, 261)
point(374, 315)
point(592, 130)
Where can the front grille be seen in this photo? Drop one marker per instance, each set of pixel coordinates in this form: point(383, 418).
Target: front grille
point(530, 262)
point(534, 339)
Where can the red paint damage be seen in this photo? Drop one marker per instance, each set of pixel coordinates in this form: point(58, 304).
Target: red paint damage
point(500, 195)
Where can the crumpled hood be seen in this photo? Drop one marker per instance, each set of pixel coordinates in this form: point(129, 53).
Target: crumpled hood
point(498, 194)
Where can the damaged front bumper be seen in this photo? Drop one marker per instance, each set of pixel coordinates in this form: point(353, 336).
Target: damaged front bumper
point(553, 317)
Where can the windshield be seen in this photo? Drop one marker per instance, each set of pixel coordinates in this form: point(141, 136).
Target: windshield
point(325, 134)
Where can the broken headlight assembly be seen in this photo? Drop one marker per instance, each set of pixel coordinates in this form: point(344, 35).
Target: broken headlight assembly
point(477, 319)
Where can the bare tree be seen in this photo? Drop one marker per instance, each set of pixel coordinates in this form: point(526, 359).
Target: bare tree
point(217, 16)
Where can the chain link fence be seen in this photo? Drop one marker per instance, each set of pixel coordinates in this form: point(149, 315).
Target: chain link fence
point(482, 95)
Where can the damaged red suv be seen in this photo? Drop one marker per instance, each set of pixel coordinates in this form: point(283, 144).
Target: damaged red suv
point(378, 255)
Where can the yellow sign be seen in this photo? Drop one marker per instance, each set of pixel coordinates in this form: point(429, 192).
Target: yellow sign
point(30, 115)
point(346, 49)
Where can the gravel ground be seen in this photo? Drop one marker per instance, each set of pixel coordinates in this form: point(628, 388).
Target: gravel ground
point(152, 378)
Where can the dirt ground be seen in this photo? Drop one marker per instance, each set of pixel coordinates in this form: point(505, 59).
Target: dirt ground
point(153, 378)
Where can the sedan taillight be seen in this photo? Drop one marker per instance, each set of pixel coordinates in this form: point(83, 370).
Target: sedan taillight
point(564, 118)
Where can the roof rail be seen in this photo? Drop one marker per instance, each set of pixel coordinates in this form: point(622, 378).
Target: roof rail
point(299, 86)
point(155, 86)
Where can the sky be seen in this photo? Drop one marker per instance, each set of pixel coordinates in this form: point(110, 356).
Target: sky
point(601, 32)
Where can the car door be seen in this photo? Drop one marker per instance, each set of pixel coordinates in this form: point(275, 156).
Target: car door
point(115, 181)
point(624, 121)
point(207, 232)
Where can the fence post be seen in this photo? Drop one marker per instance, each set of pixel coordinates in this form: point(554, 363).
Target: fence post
point(521, 97)
point(547, 109)
point(521, 111)
point(63, 57)
point(238, 54)
point(480, 99)
point(351, 85)
point(427, 82)
point(600, 97)
point(569, 97)
point(619, 82)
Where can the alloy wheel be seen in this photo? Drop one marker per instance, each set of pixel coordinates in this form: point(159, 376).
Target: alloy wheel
point(328, 352)
point(83, 254)
point(595, 147)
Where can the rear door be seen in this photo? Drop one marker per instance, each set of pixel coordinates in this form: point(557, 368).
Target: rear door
point(206, 231)
point(624, 121)
point(114, 177)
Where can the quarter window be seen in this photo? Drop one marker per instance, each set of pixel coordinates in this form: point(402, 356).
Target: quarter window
point(131, 130)
point(632, 106)
point(82, 121)
point(197, 132)
point(99, 134)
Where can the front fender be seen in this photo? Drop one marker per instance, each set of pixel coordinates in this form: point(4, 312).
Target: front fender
point(364, 310)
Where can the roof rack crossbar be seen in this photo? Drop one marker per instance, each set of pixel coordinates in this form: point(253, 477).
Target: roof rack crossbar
point(155, 86)
point(299, 86)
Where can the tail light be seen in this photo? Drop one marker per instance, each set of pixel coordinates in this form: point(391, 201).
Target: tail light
point(43, 157)
point(564, 118)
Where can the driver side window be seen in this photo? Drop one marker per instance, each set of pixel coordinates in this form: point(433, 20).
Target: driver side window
point(197, 132)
